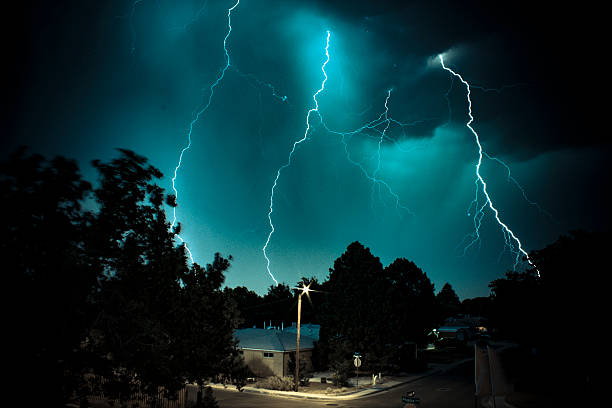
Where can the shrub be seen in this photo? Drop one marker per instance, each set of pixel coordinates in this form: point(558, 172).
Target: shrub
point(276, 383)
point(341, 373)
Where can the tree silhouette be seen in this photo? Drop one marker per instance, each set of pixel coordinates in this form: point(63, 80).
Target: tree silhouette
point(278, 305)
point(248, 304)
point(373, 311)
point(555, 314)
point(410, 302)
point(310, 303)
point(448, 302)
point(108, 291)
point(49, 277)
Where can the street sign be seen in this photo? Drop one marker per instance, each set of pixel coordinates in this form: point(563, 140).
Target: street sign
point(411, 400)
point(357, 362)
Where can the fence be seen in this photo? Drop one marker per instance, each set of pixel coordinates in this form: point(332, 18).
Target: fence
point(186, 397)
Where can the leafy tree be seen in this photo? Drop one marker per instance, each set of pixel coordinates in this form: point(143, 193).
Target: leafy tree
point(139, 300)
point(556, 314)
point(372, 310)
point(350, 318)
point(410, 302)
point(448, 302)
point(159, 321)
point(108, 292)
point(478, 306)
point(49, 277)
point(409, 310)
point(516, 306)
point(278, 305)
point(248, 304)
point(207, 348)
point(342, 370)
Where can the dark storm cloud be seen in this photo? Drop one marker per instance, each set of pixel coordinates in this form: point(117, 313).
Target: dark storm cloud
point(550, 52)
point(547, 52)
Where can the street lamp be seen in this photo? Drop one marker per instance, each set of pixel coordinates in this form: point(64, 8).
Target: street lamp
point(305, 289)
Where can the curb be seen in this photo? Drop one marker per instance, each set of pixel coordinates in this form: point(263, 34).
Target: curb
point(349, 396)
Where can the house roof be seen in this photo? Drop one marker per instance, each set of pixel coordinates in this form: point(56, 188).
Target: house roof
point(452, 328)
point(308, 329)
point(271, 340)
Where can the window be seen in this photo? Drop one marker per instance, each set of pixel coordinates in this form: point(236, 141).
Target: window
point(268, 355)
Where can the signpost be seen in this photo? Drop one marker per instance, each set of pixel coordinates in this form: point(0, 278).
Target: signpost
point(357, 362)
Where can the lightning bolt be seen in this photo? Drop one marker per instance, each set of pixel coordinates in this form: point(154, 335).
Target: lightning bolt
point(295, 144)
point(512, 180)
point(374, 126)
point(495, 159)
point(509, 235)
point(193, 20)
point(387, 123)
point(130, 17)
point(197, 117)
point(282, 98)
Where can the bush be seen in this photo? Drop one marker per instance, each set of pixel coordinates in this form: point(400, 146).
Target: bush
point(341, 373)
point(304, 380)
point(276, 383)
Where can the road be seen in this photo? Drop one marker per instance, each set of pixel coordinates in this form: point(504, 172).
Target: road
point(452, 389)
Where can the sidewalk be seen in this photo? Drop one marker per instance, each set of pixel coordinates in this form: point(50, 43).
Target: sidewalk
point(365, 385)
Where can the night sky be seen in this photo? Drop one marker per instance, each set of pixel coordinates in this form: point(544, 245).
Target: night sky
point(86, 77)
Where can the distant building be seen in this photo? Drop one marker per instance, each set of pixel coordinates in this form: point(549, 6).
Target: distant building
point(461, 333)
point(462, 327)
point(267, 351)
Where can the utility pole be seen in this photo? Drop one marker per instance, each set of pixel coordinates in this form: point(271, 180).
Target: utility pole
point(297, 343)
point(304, 289)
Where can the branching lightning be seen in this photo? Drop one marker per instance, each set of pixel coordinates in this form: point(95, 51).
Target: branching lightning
point(512, 180)
point(383, 120)
point(295, 144)
point(509, 177)
point(199, 113)
point(282, 98)
point(378, 129)
point(510, 238)
point(387, 122)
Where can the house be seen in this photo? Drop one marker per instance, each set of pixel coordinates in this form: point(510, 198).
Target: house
point(267, 351)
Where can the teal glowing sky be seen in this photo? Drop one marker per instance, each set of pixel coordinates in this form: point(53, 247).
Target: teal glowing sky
point(88, 79)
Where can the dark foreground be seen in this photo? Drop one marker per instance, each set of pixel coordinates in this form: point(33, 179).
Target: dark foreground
point(452, 389)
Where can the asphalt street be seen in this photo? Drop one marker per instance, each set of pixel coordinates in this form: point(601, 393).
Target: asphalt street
point(451, 389)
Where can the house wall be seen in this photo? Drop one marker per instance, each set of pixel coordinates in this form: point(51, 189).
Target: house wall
point(277, 365)
point(264, 366)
